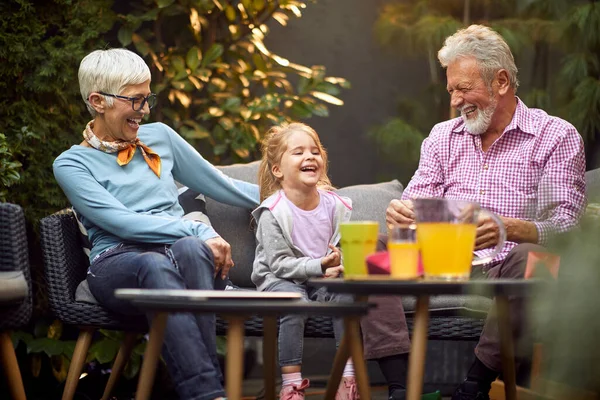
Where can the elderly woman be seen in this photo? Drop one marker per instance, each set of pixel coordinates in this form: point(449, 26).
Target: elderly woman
point(121, 181)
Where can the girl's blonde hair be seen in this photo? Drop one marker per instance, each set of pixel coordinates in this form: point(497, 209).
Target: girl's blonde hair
point(274, 145)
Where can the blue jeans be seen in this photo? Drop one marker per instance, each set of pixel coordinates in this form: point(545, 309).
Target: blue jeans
point(291, 327)
point(189, 348)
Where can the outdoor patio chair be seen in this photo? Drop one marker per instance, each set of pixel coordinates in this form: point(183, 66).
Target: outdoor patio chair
point(65, 265)
point(15, 290)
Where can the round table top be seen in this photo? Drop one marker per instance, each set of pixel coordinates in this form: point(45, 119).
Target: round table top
point(385, 285)
point(236, 302)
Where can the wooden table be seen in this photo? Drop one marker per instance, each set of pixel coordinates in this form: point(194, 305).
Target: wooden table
point(501, 289)
point(236, 306)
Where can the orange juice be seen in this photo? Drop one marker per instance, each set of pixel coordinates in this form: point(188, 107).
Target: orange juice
point(404, 259)
point(447, 249)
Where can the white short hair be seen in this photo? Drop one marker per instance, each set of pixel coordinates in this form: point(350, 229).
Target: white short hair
point(110, 71)
point(487, 47)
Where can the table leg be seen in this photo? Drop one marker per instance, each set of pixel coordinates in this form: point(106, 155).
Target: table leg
point(507, 351)
point(269, 355)
point(341, 356)
point(352, 330)
point(157, 335)
point(234, 363)
point(416, 364)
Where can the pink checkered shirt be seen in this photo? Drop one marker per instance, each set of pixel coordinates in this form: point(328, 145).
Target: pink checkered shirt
point(534, 171)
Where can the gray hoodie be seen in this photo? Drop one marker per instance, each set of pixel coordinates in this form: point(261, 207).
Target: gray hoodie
point(276, 256)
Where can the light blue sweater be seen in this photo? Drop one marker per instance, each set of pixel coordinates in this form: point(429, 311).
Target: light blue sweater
point(130, 203)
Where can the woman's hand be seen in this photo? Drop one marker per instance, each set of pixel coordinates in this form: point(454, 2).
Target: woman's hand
point(332, 259)
point(222, 252)
point(333, 272)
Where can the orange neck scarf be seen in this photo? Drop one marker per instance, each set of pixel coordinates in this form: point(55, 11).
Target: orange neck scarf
point(126, 150)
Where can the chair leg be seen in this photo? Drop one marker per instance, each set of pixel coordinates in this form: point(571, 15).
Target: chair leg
point(11, 367)
point(81, 349)
point(120, 362)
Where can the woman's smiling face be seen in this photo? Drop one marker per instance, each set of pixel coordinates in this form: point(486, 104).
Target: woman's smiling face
point(121, 121)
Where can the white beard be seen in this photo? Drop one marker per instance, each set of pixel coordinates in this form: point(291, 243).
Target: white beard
point(483, 120)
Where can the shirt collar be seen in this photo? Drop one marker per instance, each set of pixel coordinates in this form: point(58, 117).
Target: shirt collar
point(521, 120)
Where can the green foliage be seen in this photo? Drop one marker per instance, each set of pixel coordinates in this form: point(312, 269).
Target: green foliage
point(569, 29)
point(41, 112)
point(217, 82)
point(9, 168)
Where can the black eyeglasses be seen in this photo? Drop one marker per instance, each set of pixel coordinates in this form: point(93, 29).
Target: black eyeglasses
point(137, 103)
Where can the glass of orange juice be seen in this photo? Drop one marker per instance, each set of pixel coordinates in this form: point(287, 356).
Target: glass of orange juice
point(404, 251)
point(446, 231)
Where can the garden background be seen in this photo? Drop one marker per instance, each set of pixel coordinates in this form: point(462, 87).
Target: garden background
point(363, 73)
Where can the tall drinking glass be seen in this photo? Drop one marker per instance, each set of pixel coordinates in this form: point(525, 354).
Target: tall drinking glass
point(358, 240)
point(446, 234)
point(403, 250)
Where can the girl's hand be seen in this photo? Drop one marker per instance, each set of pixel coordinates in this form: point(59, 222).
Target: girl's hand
point(333, 259)
point(333, 272)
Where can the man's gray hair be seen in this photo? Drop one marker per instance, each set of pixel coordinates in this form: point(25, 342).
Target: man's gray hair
point(110, 71)
point(487, 47)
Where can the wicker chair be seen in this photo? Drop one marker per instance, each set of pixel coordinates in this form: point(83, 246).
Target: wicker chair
point(65, 266)
point(15, 290)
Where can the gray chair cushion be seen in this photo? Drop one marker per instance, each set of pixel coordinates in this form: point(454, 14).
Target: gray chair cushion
point(83, 294)
point(233, 224)
point(13, 286)
point(369, 202)
point(452, 305)
point(592, 182)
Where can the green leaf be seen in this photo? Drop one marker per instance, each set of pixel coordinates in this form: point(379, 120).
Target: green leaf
point(133, 366)
point(164, 3)
point(215, 51)
point(104, 350)
point(49, 346)
point(258, 4)
point(124, 35)
point(69, 348)
point(230, 13)
point(220, 149)
point(193, 57)
point(178, 64)
point(17, 336)
point(321, 110)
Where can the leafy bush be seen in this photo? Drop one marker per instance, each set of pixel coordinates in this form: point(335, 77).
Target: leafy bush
point(218, 84)
point(41, 112)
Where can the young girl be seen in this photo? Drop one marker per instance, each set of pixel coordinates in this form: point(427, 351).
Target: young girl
point(297, 229)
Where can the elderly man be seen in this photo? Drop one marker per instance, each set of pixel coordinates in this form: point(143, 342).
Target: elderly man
point(520, 163)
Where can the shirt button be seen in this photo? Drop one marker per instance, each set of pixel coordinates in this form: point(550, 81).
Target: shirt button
point(485, 166)
point(482, 191)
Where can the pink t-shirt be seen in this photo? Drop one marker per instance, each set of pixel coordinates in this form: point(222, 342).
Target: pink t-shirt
point(312, 230)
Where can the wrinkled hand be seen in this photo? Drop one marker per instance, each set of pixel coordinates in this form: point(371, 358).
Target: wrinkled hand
point(488, 232)
point(333, 272)
point(222, 252)
point(332, 259)
point(399, 212)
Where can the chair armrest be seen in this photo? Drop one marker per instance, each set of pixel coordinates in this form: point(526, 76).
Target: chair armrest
point(14, 265)
point(65, 263)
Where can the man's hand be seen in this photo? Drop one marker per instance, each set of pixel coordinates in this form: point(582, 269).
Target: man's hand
point(399, 212)
point(333, 272)
point(488, 232)
point(332, 259)
point(222, 252)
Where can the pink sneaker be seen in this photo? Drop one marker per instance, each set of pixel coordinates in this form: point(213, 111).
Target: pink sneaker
point(293, 392)
point(347, 389)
